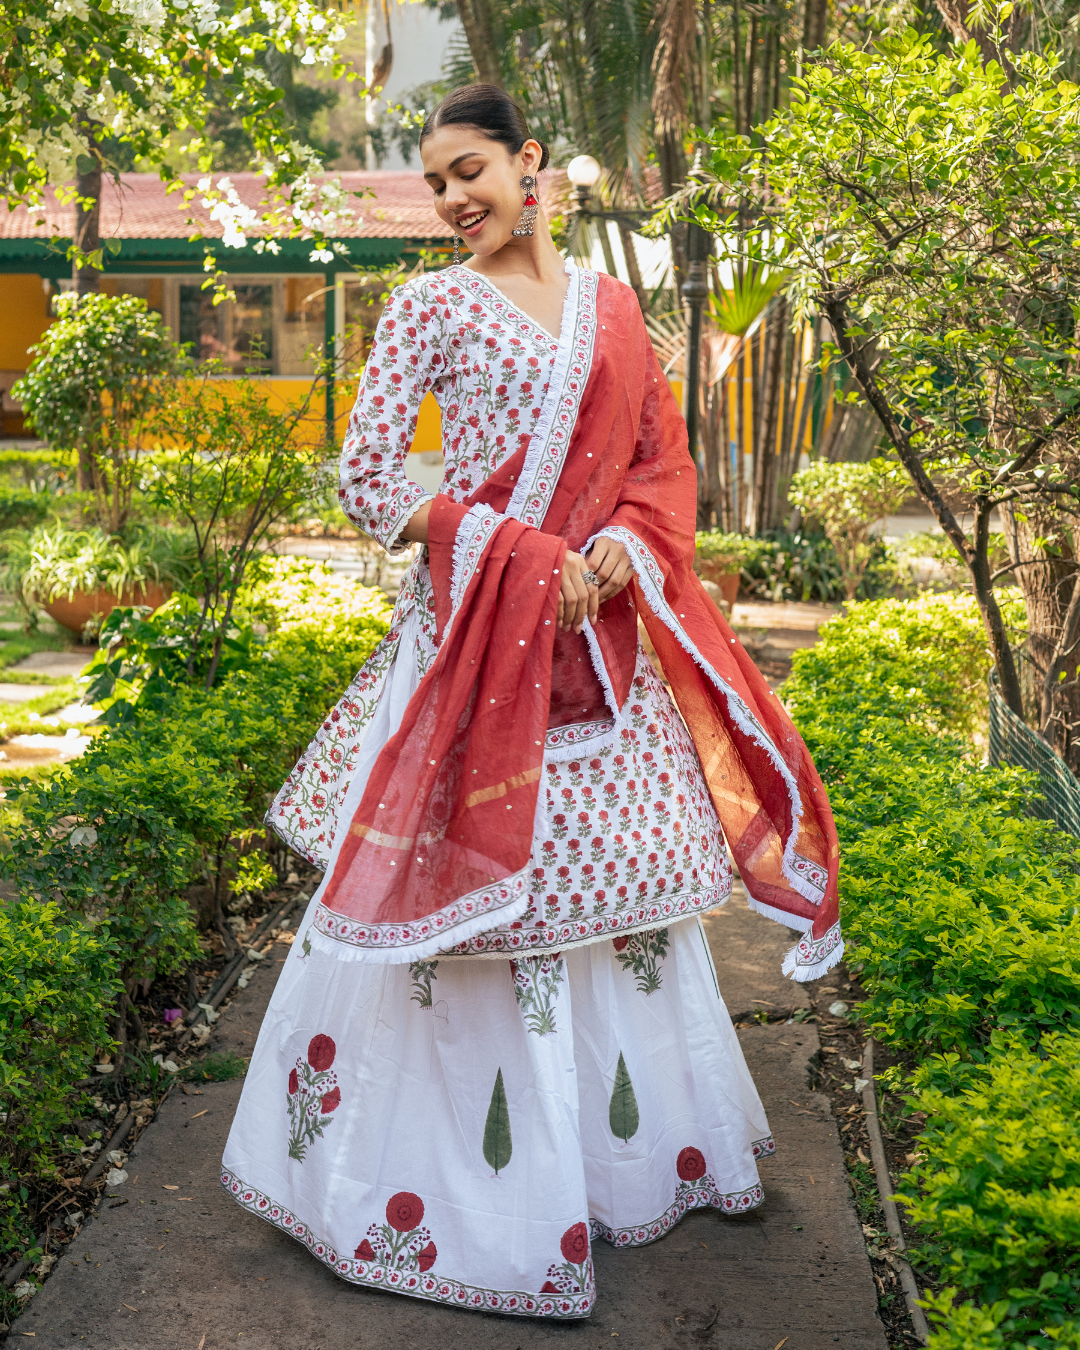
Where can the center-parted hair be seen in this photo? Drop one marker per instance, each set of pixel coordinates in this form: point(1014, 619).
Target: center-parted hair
point(491, 111)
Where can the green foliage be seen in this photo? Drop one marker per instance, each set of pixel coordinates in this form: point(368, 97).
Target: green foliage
point(241, 467)
point(963, 914)
point(98, 87)
point(498, 1146)
point(22, 509)
point(939, 198)
point(846, 500)
point(1000, 1190)
point(54, 561)
point(57, 978)
point(803, 566)
point(117, 838)
point(717, 553)
point(734, 311)
point(95, 378)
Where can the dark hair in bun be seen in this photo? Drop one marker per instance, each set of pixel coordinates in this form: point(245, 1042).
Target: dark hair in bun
point(489, 109)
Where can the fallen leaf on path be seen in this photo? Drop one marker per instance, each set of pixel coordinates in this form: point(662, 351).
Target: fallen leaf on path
point(163, 1246)
point(199, 1113)
point(861, 1156)
point(203, 1341)
point(704, 1244)
point(780, 1343)
point(128, 1305)
point(812, 1181)
point(170, 1188)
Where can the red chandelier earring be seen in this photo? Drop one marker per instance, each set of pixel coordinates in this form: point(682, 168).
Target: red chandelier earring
point(524, 227)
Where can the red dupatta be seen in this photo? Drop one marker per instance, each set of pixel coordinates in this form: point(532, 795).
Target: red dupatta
point(438, 848)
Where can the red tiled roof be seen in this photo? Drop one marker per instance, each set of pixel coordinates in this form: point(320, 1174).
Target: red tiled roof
point(401, 208)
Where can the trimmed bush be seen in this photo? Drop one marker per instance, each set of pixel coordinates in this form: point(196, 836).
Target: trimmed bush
point(963, 918)
point(57, 980)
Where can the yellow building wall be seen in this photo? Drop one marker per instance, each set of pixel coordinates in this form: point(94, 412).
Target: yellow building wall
point(25, 308)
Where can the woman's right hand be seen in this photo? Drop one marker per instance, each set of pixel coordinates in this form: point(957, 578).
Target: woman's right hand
point(577, 599)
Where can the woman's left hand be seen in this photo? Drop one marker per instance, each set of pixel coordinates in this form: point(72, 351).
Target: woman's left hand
point(577, 598)
point(611, 563)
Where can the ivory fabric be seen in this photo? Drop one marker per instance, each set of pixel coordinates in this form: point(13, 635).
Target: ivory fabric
point(463, 1131)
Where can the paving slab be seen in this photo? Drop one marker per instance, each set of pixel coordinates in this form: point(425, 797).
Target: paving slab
point(21, 693)
point(56, 664)
point(187, 1269)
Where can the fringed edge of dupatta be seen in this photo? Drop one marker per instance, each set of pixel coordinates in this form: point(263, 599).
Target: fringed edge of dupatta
point(811, 957)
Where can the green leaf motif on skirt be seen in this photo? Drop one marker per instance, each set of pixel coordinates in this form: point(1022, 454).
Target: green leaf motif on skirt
point(497, 1143)
point(623, 1111)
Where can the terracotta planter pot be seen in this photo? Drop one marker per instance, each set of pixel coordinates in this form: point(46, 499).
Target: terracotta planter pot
point(724, 577)
point(76, 613)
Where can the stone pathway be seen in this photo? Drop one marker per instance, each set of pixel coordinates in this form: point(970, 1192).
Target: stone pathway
point(185, 1268)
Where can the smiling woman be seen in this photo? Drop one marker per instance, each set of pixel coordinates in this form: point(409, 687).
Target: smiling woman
point(513, 820)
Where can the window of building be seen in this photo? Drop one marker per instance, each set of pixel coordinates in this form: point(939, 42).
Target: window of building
point(274, 325)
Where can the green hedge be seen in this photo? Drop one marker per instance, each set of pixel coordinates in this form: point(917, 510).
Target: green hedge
point(962, 915)
point(101, 854)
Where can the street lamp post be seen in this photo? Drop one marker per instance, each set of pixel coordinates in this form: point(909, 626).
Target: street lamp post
point(695, 291)
point(584, 173)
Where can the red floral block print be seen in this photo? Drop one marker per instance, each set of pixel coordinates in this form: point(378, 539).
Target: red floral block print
point(690, 1164)
point(399, 1244)
point(321, 1052)
point(364, 1267)
point(313, 1095)
point(575, 1274)
point(575, 1244)
point(405, 1211)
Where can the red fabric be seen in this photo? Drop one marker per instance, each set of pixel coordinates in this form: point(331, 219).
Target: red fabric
point(450, 804)
point(422, 836)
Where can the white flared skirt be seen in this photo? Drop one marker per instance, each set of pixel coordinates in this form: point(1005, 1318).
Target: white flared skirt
point(463, 1130)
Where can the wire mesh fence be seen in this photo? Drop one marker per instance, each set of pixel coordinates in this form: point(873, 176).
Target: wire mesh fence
point(1013, 742)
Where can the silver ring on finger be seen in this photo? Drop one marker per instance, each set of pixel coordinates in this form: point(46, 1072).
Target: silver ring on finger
point(590, 578)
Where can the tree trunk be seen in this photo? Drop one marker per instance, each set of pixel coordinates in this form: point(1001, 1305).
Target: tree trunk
point(626, 237)
point(815, 15)
point(1051, 587)
point(87, 235)
point(476, 19)
point(740, 435)
point(975, 552)
point(770, 398)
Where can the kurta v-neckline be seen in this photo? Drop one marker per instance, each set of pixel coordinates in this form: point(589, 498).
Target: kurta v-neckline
point(516, 311)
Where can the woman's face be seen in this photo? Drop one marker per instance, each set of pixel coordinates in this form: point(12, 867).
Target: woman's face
point(477, 184)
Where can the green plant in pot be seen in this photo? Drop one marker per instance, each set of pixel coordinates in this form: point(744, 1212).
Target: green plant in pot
point(79, 576)
point(95, 388)
point(719, 559)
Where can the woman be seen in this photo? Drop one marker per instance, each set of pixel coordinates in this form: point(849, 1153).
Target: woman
point(500, 1035)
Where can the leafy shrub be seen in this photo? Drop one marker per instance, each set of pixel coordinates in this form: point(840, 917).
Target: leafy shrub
point(117, 837)
point(846, 500)
point(57, 979)
point(718, 554)
point(963, 918)
point(93, 383)
point(21, 509)
point(306, 605)
point(1000, 1191)
point(804, 566)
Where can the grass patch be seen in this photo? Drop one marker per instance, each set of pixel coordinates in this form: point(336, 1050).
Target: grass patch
point(215, 1069)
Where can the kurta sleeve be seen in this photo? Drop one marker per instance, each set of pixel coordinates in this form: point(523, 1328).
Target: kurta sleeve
point(407, 360)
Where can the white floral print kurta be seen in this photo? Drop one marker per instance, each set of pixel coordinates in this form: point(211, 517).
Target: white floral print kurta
point(629, 837)
point(462, 1130)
